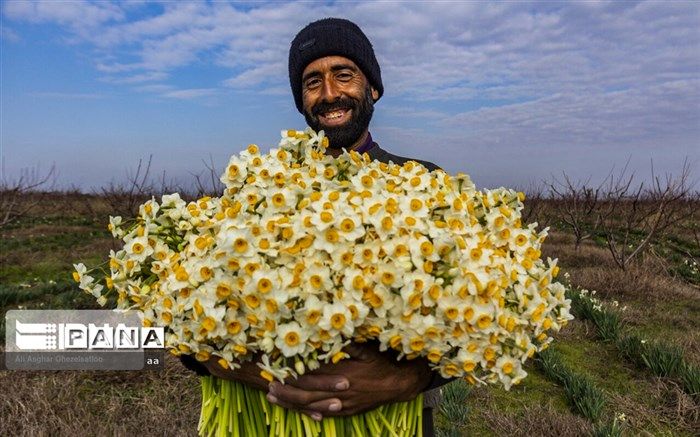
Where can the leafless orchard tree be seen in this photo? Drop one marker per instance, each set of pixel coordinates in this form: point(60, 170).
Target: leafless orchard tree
point(124, 198)
point(632, 217)
point(537, 206)
point(577, 206)
point(18, 197)
point(207, 182)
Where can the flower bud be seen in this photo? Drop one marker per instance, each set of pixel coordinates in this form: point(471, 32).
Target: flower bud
point(299, 367)
point(313, 364)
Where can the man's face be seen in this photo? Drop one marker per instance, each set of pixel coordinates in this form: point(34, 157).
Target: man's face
point(338, 99)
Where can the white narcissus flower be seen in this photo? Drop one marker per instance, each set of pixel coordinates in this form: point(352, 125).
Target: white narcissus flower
point(291, 339)
point(336, 319)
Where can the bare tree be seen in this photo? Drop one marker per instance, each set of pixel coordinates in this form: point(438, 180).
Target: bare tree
point(207, 182)
point(18, 197)
point(577, 206)
point(633, 217)
point(537, 206)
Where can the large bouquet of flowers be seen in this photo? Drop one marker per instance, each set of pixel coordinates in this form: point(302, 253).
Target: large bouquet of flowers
point(304, 253)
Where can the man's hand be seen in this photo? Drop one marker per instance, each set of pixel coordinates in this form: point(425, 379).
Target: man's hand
point(365, 381)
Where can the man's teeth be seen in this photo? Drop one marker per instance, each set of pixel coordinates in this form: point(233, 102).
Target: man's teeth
point(334, 114)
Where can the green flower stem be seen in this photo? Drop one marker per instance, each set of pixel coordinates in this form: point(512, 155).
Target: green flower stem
point(233, 409)
point(387, 424)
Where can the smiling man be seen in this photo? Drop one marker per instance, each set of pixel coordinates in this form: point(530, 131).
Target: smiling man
point(336, 79)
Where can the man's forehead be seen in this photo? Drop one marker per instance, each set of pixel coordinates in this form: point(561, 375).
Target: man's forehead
point(328, 63)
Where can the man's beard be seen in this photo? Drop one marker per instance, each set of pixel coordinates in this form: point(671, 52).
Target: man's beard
point(347, 135)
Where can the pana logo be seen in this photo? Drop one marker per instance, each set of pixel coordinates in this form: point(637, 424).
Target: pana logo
point(62, 336)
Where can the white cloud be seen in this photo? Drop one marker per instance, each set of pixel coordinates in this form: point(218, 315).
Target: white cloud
point(154, 88)
point(81, 17)
point(186, 94)
point(137, 78)
point(64, 95)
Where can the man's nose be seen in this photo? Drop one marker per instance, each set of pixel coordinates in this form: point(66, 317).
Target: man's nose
point(330, 91)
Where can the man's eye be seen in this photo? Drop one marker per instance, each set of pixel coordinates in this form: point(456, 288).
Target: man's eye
point(312, 83)
point(344, 77)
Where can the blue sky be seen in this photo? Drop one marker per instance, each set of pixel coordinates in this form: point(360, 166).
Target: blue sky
point(510, 92)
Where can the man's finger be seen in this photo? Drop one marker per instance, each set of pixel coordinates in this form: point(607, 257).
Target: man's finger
point(315, 410)
point(297, 397)
point(326, 383)
point(327, 406)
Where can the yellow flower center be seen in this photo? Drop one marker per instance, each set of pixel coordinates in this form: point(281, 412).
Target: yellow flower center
point(387, 223)
point(252, 301)
point(312, 316)
point(347, 225)
point(181, 274)
point(264, 285)
point(209, 324)
point(358, 282)
point(206, 273)
point(400, 250)
point(483, 322)
point(338, 321)
point(233, 327)
point(291, 339)
point(278, 199)
point(332, 236)
point(240, 245)
point(388, 278)
point(416, 204)
point(426, 248)
point(417, 344)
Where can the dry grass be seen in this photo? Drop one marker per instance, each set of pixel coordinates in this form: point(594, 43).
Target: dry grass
point(100, 403)
point(640, 283)
point(668, 408)
point(587, 255)
point(532, 420)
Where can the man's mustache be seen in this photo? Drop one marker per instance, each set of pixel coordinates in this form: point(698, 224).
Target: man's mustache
point(323, 107)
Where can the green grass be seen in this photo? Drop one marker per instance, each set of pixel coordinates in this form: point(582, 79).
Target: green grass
point(57, 220)
point(582, 393)
point(535, 389)
point(41, 271)
point(63, 240)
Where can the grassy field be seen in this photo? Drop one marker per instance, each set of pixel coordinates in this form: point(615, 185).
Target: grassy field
point(656, 298)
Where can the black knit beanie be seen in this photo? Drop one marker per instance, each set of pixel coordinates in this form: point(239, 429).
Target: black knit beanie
point(331, 37)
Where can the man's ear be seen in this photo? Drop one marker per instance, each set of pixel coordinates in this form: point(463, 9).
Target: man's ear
point(375, 94)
